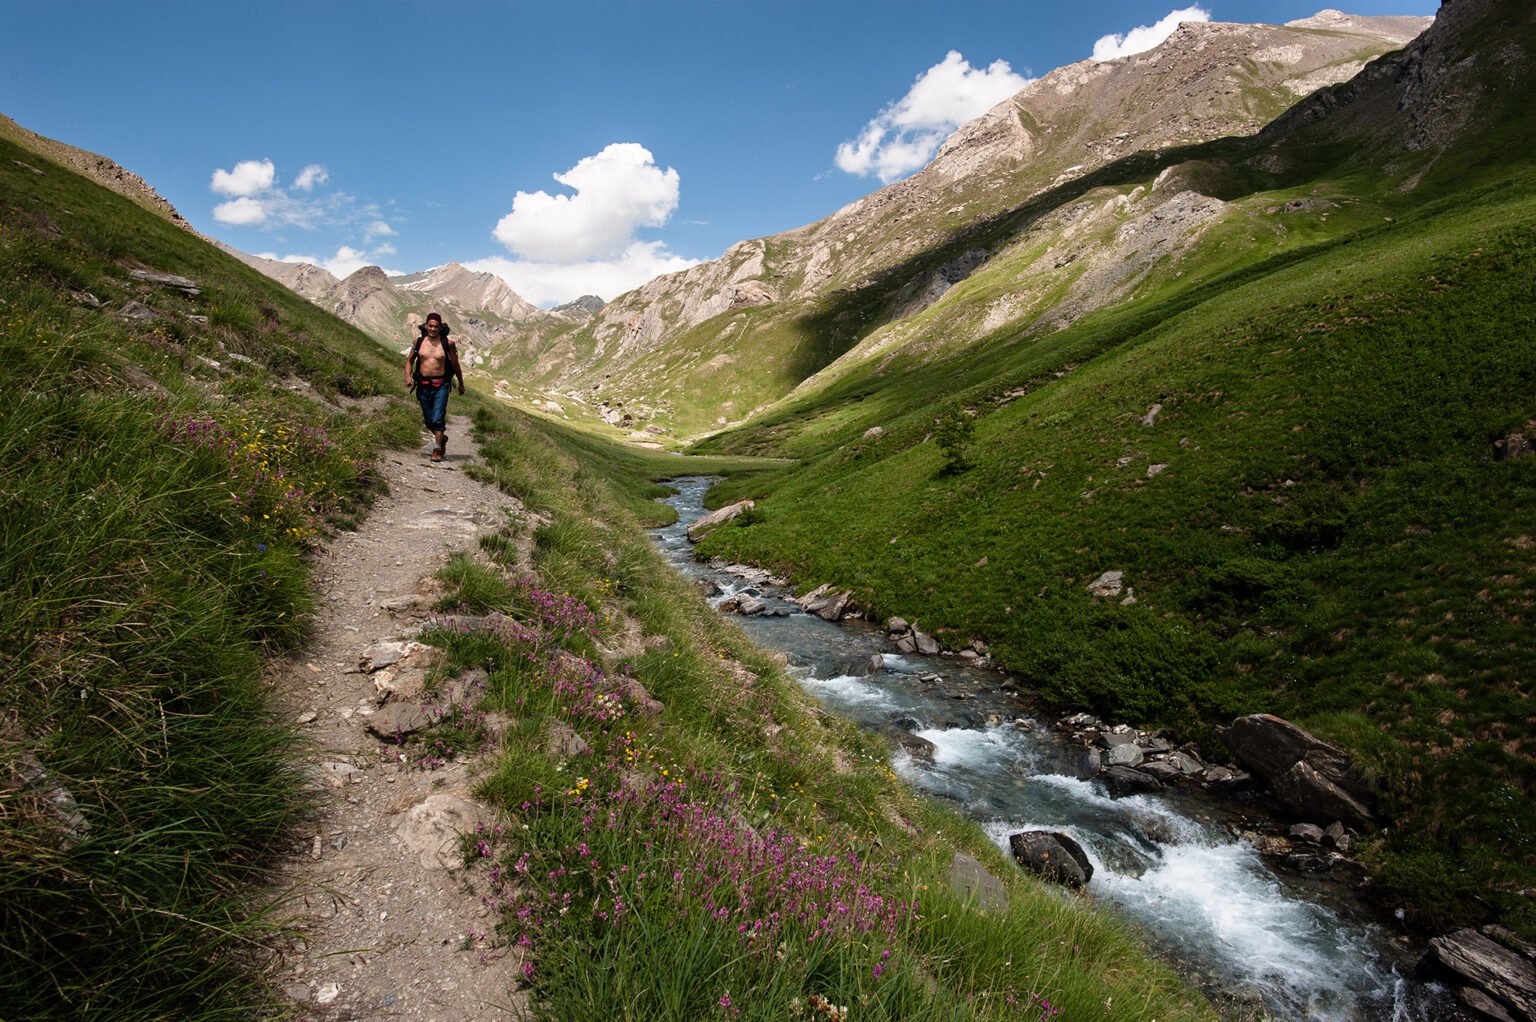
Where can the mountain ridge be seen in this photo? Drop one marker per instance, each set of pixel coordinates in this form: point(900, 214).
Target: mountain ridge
point(761, 291)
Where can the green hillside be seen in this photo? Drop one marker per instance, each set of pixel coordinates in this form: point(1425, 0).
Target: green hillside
point(1315, 524)
point(168, 460)
point(176, 448)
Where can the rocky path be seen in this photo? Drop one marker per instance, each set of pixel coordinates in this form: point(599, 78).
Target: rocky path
point(382, 920)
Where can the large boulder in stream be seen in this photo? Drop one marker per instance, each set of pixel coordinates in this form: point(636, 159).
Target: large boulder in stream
point(1311, 778)
point(1052, 855)
point(701, 527)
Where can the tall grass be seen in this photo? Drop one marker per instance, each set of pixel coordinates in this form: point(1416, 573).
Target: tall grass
point(158, 497)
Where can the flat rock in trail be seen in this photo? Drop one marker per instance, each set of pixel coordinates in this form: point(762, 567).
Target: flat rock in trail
point(381, 922)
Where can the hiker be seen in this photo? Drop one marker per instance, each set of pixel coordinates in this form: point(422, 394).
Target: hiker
point(431, 368)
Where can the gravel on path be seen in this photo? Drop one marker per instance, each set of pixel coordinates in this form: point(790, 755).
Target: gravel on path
point(381, 921)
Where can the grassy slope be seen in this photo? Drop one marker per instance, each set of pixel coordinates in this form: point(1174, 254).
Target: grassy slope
point(1331, 539)
point(156, 510)
point(646, 840)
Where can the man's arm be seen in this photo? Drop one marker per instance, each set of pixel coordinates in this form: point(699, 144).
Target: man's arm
point(453, 362)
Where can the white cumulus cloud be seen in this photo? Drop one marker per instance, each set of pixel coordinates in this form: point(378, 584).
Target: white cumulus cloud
point(249, 177)
point(554, 283)
point(1145, 37)
point(377, 229)
point(905, 135)
point(312, 175)
point(240, 212)
point(615, 192)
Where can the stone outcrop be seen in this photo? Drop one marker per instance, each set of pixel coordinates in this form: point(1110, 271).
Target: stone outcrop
point(718, 517)
point(1492, 979)
point(1051, 855)
point(1311, 778)
point(828, 603)
point(971, 881)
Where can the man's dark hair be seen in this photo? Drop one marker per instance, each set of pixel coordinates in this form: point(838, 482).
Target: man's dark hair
point(442, 330)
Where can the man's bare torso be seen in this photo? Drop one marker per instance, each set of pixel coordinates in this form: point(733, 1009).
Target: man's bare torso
point(431, 358)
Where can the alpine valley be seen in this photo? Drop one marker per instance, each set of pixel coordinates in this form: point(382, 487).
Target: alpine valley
point(1187, 399)
point(1245, 318)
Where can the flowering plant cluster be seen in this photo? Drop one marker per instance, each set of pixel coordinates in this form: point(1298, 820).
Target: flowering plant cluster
point(285, 477)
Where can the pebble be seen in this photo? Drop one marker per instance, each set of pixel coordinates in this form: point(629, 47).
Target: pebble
point(307, 716)
point(328, 993)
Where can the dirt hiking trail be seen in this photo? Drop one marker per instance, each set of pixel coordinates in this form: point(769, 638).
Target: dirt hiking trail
point(381, 921)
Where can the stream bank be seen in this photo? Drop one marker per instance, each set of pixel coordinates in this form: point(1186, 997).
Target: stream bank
point(1257, 941)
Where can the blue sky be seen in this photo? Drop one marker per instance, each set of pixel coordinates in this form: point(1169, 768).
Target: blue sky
point(432, 132)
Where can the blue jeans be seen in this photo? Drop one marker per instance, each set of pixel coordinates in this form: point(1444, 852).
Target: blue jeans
point(434, 405)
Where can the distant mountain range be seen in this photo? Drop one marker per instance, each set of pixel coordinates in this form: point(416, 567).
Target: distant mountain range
point(486, 315)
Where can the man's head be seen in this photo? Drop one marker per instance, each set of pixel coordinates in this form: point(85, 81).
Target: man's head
point(434, 326)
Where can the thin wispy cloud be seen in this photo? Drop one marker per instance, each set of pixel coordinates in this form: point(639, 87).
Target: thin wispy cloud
point(904, 136)
point(584, 242)
point(257, 202)
point(1145, 37)
point(310, 176)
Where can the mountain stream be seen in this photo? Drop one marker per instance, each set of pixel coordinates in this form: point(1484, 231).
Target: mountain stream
point(1261, 944)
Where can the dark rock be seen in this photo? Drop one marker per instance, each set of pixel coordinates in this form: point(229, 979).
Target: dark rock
point(907, 644)
point(1502, 977)
point(1334, 836)
point(926, 644)
point(829, 608)
point(1124, 755)
point(1152, 743)
point(896, 626)
point(1311, 778)
point(972, 882)
point(743, 604)
point(707, 587)
point(1124, 780)
point(1110, 739)
point(1052, 855)
point(919, 748)
point(1351, 872)
point(398, 721)
point(1310, 795)
point(1163, 770)
point(1309, 832)
point(1186, 763)
point(1226, 779)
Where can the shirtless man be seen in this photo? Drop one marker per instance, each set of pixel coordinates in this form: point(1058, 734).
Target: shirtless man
point(432, 366)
